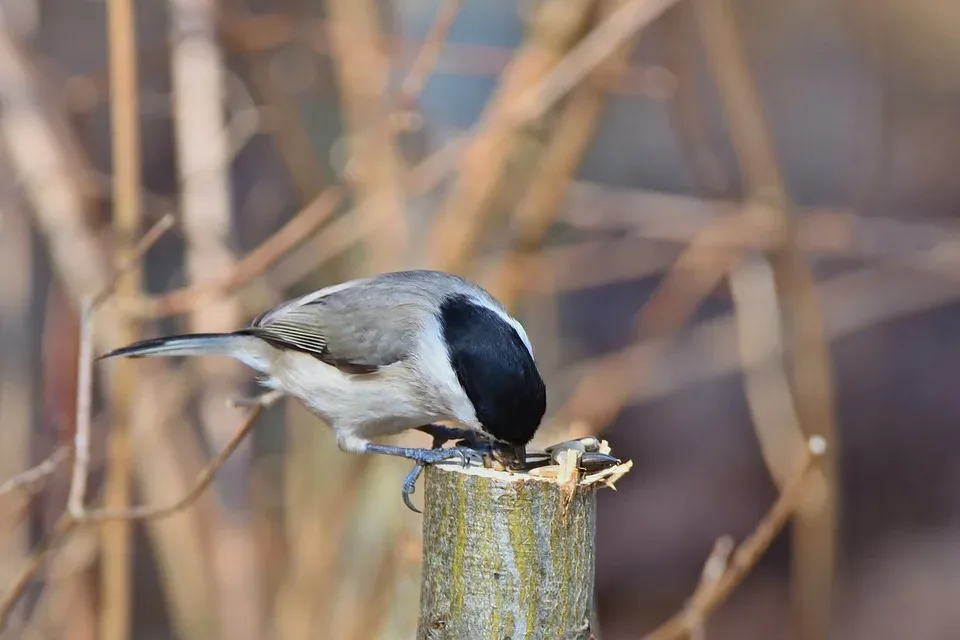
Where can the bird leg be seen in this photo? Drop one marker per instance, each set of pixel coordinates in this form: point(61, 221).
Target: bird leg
point(422, 457)
point(441, 435)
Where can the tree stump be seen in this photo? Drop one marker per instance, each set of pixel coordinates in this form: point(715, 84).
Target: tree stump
point(509, 556)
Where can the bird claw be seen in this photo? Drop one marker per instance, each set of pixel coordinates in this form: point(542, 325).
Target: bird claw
point(410, 486)
point(422, 457)
point(431, 456)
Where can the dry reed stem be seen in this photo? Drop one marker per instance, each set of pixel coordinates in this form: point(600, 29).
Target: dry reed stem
point(814, 542)
point(701, 267)
point(33, 480)
point(48, 163)
point(767, 386)
point(290, 135)
point(303, 601)
point(17, 377)
point(538, 207)
point(463, 215)
point(203, 481)
point(198, 75)
point(34, 562)
point(428, 55)
point(687, 110)
point(413, 84)
point(169, 455)
point(602, 42)
point(716, 586)
point(853, 302)
point(81, 441)
point(606, 389)
point(371, 623)
point(253, 34)
point(116, 537)
point(293, 233)
point(673, 218)
point(362, 73)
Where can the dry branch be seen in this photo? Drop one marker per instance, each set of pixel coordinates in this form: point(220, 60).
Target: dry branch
point(812, 377)
point(598, 45)
point(292, 234)
point(483, 161)
point(540, 203)
point(33, 479)
point(509, 555)
point(263, 32)
point(852, 302)
point(717, 585)
point(198, 76)
point(375, 170)
point(116, 543)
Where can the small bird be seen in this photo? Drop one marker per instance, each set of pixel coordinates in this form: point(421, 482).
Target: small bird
point(376, 356)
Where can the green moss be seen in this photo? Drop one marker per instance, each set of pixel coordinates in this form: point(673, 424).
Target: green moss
point(459, 571)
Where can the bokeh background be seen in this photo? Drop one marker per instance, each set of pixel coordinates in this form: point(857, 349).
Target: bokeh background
point(709, 276)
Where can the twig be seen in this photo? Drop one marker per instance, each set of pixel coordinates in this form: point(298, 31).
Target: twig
point(130, 261)
point(362, 73)
point(81, 438)
point(465, 211)
point(33, 479)
point(700, 267)
point(852, 302)
point(713, 590)
point(198, 72)
point(81, 445)
point(812, 380)
point(263, 32)
point(767, 385)
point(203, 481)
point(413, 84)
point(429, 53)
point(290, 235)
point(116, 538)
point(540, 204)
point(15, 590)
point(587, 55)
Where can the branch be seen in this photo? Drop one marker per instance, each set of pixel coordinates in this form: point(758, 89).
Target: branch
point(290, 235)
point(203, 481)
point(601, 43)
point(814, 558)
point(540, 204)
point(116, 539)
point(483, 162)
point(717, 585)
point(34, 479)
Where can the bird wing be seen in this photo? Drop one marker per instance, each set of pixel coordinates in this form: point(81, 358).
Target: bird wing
point(356, 329)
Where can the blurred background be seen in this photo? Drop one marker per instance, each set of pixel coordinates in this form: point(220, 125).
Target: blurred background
point(727, 227)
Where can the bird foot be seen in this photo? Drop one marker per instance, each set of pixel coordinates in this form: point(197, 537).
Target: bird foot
point(422, 457)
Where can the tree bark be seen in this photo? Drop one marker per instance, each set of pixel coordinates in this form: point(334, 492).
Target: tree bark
point(506, 556)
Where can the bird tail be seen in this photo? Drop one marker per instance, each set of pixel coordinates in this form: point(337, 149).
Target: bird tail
point(245, 348)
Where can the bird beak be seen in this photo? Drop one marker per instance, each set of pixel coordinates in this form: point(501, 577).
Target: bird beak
point(511, 457)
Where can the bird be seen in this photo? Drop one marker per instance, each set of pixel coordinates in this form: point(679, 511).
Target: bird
point(380, 355)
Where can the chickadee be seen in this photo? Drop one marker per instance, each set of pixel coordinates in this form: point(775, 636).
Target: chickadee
point(376, 356)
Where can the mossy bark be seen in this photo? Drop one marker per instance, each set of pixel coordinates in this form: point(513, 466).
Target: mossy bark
point(506, 557)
